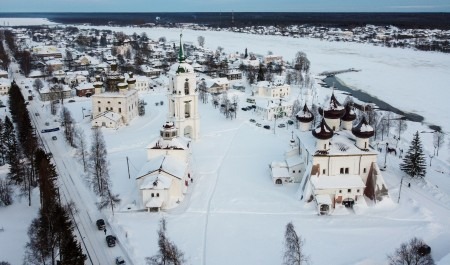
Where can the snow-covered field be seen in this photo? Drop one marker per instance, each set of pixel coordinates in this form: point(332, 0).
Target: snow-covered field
point(233, 214)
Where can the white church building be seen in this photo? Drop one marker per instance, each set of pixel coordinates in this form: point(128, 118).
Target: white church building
point(164, 179)
point(338, 167)
point(183, 98)
point(113, 109)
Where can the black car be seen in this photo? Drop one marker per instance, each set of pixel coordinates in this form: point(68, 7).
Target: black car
point(110, 240)
point(100, 224)
point(267, 127)
point(290, 122)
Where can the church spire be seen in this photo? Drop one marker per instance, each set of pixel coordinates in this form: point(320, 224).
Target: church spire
point(181, 57)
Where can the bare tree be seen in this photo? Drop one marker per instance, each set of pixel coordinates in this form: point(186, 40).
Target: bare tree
point(38, 84)
point(293, 247)
point(400, 126)
point(415, 252)
point(6, 193)
point(82, 146)
point(98, 163)
point(168, 253)
point(301, 62)
point(202, 91)
point(438, 141)
point(201, 41)
point(69, 126)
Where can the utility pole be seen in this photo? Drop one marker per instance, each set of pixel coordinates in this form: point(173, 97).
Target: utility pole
point(128, 166)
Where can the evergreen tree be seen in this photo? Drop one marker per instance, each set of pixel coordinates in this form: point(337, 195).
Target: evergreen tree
point(260, 74)
point(414, 163)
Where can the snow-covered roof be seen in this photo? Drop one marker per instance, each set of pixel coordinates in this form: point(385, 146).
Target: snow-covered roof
point(128, 93)
point(280, 172)
point(342, 143)
point(5, 81)
point(156, 182)
point(85, 85)
point(166, 163)
point(323, 199)
point(179, 142)
point(323, 182)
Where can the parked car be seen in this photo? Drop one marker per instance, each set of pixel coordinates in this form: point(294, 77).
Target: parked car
point(120, 261)
point(244, 109)
point(36, 114)
point(290, 122)
point(281, 125)
point(71, 100)
point(267, 127)
point(110, 240)
point(54, 138)
point(258, 124)
point(252, 120)
point(100, 224)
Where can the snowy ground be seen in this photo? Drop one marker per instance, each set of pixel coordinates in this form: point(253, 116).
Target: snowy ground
point(233, 214)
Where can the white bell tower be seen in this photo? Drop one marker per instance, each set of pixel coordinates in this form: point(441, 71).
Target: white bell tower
point(183, 97)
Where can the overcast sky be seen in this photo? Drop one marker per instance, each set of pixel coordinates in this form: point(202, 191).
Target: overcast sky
point(225, 5)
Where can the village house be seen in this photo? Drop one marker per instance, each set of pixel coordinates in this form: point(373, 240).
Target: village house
point(5, 85)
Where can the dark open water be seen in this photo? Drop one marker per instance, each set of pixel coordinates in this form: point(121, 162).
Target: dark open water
point(224, 19)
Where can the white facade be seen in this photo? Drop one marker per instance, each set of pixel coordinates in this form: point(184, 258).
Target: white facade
point(183, 99)
point(123, 103)
point(165, 178)
point(275, 89)
point(268, 109)
point(5, 85)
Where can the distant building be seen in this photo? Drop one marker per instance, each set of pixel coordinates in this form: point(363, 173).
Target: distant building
point(5, 85)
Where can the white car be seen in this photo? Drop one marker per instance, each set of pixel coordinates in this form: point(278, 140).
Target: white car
point(120, 261)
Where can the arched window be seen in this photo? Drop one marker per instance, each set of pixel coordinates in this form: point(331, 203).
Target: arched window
point(186, 87)
point(153, 195)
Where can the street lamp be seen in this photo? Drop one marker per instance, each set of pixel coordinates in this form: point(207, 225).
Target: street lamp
point(82, 111)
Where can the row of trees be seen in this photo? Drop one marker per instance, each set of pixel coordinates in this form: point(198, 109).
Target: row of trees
point(51, 233)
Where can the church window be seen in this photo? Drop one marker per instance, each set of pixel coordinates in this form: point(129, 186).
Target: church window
point(109, 102)
point(341, 171)
point(357, 190)
point(346, 170)
point(323, 171)
point(120, 102)
point(325, 146)
point(365, 145)
point(167, 134)
point(98, 102)
point(157, 194)
point(153, 195)
point(99, 109)
point(340, 191)
point(364, 170)
point(349, 190)
point(186, 88)
point(293, 171)
point(120, 110)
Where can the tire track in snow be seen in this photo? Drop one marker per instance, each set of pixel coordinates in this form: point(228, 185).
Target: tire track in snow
point(208, 208)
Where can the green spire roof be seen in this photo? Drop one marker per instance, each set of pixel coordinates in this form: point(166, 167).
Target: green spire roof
point(181, 57)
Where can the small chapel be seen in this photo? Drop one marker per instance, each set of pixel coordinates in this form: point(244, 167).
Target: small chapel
point(165, 178)
point(334, 163)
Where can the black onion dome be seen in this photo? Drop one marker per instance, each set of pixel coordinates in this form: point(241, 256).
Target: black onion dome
point(334, 109)
point(323, 131)
point(305, 115)
point(363, 129)
point(349, 115)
